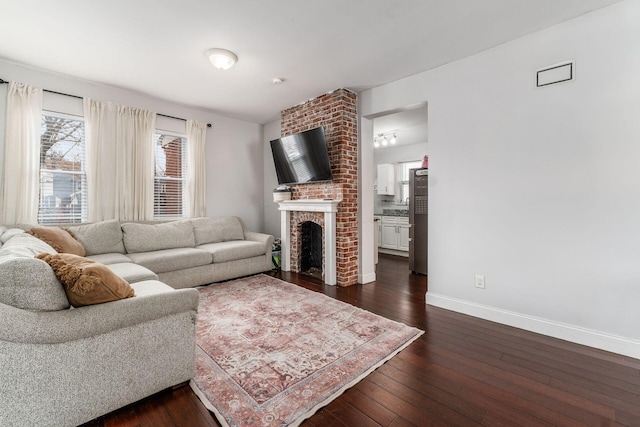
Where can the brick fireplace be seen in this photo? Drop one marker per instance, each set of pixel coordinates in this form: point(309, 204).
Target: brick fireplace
point(294, 213)
point(336, 112)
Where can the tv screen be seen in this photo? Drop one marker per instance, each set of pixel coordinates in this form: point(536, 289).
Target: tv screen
point(302, 157)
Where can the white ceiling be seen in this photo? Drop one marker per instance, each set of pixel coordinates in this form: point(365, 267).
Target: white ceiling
point(156, 46)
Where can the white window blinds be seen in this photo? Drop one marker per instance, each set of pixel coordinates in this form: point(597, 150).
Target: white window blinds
point(170, 176)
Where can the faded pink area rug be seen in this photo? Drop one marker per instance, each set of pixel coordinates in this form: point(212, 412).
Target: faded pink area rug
point(271, 353)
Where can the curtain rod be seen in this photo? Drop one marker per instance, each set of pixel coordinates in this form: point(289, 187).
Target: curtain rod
point(2, 81)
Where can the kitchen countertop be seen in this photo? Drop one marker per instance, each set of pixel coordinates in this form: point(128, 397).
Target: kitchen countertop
point(393, 212)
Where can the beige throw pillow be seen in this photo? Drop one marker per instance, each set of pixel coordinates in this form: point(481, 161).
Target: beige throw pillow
point(85, 281)
point(60, 239)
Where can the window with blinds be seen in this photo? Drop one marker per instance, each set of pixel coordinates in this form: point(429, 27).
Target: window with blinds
point(63, 180)
point(404, 182)
point(170, 176)
point(407, 166)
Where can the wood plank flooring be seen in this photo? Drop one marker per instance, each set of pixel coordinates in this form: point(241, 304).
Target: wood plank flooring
point(463, 372)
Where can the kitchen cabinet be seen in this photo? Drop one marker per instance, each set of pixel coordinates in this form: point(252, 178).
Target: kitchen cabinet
point(386, 179)
point(403, 237)
point(389, 236)
point(378, 228)
point(394, 233)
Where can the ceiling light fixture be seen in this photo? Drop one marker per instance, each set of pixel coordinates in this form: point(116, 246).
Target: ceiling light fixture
point(220, 58)
point(386, 138)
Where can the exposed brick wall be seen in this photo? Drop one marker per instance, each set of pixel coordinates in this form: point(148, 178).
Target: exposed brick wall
point(336, 112)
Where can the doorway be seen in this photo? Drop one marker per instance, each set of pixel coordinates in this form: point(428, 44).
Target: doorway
point(400, 144)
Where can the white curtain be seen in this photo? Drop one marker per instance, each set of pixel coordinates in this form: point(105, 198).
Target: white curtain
point(120, 161)
point(196, 169)
point(21, 173)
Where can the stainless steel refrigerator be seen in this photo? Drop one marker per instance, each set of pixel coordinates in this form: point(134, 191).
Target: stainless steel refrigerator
point(418, 214)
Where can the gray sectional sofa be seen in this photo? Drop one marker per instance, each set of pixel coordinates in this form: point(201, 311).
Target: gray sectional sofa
point(179, 253)
point(63, 366)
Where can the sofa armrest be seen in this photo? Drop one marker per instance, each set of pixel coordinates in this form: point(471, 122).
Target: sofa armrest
point(266, 239)
point(23, 326)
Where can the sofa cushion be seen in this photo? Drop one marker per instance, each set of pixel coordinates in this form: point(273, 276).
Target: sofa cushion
point(100, 238)
point(132, 272)
point(9, 233)
point(151, 287)
point(171, 259)
point(87, 282)
point(155, 237)
point(23, 245)
point(60, 239)
point(234, 250)
point(30, 284)
point(110, 258)
point(218, 229)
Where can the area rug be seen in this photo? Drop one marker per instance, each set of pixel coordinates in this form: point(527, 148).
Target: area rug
point(271, 353)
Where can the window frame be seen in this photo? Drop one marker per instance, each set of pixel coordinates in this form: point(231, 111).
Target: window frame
point(43, 218)
point(404, 178)
point(183, 213)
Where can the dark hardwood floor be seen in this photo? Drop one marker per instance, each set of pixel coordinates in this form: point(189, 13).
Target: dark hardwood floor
point(463, 371)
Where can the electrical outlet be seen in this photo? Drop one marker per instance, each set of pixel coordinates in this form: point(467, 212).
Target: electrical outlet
point(479, 281)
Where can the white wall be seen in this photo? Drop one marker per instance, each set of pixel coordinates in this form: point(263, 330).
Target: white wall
point(538, 189)
point(401, 153)
point(270, 132)
point(233, 147)
point(367, 228)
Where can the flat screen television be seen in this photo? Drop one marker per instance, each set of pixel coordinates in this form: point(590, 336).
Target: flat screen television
point(302, 157)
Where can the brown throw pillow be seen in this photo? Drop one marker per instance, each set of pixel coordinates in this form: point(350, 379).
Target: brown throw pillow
point(85, 281)
point(60, 239)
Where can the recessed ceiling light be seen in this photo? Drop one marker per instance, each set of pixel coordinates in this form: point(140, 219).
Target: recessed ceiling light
point(222, 59)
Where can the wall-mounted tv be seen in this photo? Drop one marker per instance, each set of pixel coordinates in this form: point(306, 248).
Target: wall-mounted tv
point(302, 157)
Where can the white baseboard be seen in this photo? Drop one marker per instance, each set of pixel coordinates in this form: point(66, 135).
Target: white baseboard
point(576, 334)
point(366, 278)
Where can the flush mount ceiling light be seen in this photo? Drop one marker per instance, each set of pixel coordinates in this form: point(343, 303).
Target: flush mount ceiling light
point(220, 58)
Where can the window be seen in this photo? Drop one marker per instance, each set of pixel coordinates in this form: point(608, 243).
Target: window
point(63, 180)
point(170, 176)
point(404, 182)
point(406, 166)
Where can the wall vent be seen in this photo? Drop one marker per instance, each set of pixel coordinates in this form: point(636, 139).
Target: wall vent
point(558, 73)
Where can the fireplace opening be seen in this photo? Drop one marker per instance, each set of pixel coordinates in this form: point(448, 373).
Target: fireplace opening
point(311, 249)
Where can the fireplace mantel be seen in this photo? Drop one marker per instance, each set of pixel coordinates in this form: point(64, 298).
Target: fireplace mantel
point(329, 207)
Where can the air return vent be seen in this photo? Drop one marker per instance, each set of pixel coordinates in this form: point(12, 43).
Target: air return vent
point(553, 74)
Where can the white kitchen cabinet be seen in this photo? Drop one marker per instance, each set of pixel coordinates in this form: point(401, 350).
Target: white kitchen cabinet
point(378, 229)
point(403, 237)
point(389, 238)
point(394, 233)
point(386, 179)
